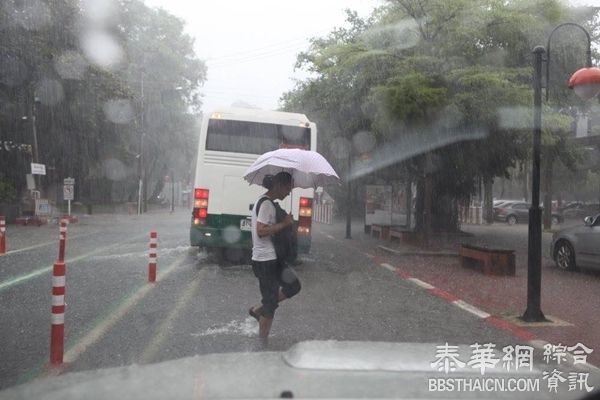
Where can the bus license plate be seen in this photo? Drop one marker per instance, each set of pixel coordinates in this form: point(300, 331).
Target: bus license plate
point(245, 225)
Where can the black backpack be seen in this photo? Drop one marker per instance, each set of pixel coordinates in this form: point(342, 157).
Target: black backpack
point(284, 241)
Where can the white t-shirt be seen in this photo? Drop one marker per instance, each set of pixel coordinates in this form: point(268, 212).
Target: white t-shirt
point(262, 247)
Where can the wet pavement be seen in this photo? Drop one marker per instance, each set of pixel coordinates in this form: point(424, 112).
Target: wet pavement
point(115, 318)
point(569, 299)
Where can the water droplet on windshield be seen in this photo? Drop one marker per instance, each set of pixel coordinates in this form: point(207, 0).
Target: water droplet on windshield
point(288, 275)
point(340, 147)
point(364, 142)
point(49, 92)
point(114, 169)
point(291, 133)
point(118, 111)
point(232, 234)
point(102, 49)
point(513, 118)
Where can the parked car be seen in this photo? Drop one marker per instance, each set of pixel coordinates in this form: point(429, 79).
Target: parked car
point(579, 210)
point(503, 203)
point(578, 246)
point(499, 202)
point(518, 211)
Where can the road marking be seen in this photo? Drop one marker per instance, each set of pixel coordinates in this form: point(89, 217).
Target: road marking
point(470, 308)
point(512, 328)
point(449, 297)
point(420, 283)
point(41, 271)
point(46, 244)
point(388, 267)
point(163, 331)
point(110, 321)
point(330, 237)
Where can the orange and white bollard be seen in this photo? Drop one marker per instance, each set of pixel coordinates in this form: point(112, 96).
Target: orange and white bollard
point(62, 240)
point(152, 257)
point(2, 235)
point(57, 334)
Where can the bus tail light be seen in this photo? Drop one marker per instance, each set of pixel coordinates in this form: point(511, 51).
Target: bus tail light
point(305, 216)
point(200, 212)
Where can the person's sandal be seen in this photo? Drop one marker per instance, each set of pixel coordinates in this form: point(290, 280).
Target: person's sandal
point(254, 314)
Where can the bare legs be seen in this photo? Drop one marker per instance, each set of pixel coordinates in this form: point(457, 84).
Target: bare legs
point(264, 324)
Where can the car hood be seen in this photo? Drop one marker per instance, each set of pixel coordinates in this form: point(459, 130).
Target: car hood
point(313, 369)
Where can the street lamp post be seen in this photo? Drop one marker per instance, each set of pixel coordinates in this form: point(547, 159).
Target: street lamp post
point(35, 153)
point(141, 154)
point(586, 83)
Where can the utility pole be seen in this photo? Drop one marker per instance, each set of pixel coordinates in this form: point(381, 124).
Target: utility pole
point(35, 155)
point(172, 191)
point(141, 155)
point(349, 201)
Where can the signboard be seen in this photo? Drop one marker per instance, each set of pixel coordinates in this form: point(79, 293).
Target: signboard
point(69, 181)
point(68, 192)
point(378, 205)
point(30, 182)
point(38, 169)
point(42, 207)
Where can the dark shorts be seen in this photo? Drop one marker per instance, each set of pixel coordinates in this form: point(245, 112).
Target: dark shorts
point(273, 275)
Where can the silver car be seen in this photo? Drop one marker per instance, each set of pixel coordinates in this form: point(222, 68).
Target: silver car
point(578, 246)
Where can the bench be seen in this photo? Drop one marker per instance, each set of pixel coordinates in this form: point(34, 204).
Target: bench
point(493, 261)
point(395, 233)
point(404, 235)
point(383, 231)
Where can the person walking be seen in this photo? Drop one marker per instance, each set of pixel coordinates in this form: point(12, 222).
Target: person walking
point(276, 280)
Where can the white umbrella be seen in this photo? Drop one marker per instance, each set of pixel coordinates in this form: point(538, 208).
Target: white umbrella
point(308, 168)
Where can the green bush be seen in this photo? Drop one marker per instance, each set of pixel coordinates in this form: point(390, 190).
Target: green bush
point(7, 192)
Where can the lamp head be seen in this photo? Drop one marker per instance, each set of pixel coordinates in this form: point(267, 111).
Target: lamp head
point(586, 82)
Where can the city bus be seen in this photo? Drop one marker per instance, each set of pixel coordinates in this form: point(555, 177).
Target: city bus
point(231, 139)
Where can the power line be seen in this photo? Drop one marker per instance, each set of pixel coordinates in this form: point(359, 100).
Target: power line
point(255, 57)
point(258, 49)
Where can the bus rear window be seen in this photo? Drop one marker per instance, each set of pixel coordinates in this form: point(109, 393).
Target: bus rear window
point(254, 137)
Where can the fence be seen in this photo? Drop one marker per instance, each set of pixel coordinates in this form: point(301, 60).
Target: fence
point(323, 213)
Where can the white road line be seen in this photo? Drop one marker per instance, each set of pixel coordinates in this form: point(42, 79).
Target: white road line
point(469, 308)
point(17, 280)
point(162, 333)
point(330, 237)
point(420, 283)
point(388, 267)
point(115, 316)
point(46, 244)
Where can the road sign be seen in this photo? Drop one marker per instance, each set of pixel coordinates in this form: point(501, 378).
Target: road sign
point(68, 192)
point(38, 169)
point(69, 181)
point(42, 207)
point(30, 182)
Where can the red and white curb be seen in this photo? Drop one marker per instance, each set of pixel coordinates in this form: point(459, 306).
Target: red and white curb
point(463, 305)
point(517, 331)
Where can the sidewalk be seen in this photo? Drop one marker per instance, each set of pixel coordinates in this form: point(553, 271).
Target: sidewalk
point(570, 299)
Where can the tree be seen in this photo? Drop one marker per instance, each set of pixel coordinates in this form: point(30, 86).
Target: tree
point(451, 78)
point(89, 114)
